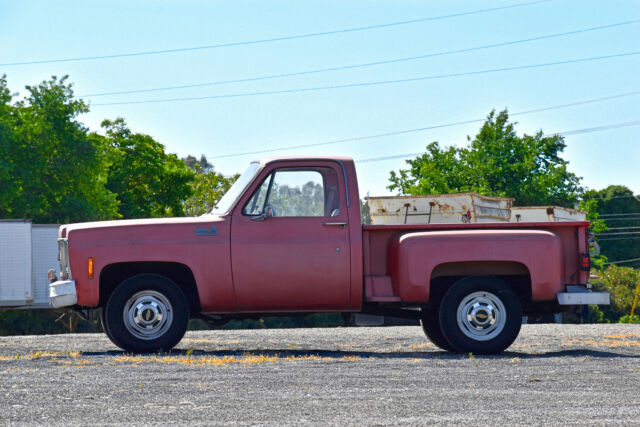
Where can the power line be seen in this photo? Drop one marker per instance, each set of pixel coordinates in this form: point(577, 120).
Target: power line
point(620, 214)
point(374, 83)
point(573, 132)
point(618, 234)
point(623, 261)
point(637, 218)
point(423, 129)
point(618, 238)
point(622, 228)
point(361, 65)
point(614, 197)
point(276, 39)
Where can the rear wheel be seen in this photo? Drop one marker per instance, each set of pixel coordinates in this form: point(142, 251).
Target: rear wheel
point(430, 322)
point(480, 314)
point(146, 313)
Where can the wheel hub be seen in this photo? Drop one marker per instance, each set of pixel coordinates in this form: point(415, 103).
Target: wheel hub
point(148, 315)
point(481, 316)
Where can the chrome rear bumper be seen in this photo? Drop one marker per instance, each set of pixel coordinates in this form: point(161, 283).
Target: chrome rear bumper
point(580, 295)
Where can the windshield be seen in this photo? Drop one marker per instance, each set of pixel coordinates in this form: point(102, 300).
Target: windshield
point(227, 201)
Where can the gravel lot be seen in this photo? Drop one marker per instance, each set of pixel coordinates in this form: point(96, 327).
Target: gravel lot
point(553, 374)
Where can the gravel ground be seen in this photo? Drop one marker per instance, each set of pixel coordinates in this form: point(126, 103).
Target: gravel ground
point(553, 374)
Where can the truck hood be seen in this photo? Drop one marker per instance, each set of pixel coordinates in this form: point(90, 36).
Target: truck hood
point(131, 224)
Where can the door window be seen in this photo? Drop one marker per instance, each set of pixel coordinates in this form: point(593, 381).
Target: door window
point(296, 193)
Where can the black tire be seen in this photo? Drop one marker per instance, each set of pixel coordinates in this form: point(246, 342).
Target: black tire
point(105, 327)
point(146, 313)
point(430, 322)
point(467, 311)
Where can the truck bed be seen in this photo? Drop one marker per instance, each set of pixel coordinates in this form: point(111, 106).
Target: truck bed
point(380, 281)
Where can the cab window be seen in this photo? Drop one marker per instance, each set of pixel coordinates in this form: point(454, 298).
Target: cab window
point(296, 193)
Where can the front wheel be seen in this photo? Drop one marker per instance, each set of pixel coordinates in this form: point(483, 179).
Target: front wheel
point(146, 313)
point(480, 314)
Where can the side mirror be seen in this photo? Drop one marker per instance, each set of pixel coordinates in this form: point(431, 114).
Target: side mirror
point(267, 213)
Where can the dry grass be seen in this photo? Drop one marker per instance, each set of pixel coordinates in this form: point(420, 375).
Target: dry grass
point(622, 336)
point(245, 359)
point(33, 355)
point(425, 345)
point(609, 341)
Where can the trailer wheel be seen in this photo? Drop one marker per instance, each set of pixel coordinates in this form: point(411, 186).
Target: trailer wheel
point(430, 322)
point(480, 314)
point(146, 313)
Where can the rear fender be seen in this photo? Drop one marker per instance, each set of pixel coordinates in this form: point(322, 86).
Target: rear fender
point(413, 257)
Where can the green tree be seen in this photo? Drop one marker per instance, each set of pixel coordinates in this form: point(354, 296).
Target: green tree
point(497, 162)
point(207, 187)
point(52, 169)
point(147, 181)
point(617, 205)
point(621, 283)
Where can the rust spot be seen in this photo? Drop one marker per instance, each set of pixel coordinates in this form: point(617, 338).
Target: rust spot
point(382, 210)
point(550, 210)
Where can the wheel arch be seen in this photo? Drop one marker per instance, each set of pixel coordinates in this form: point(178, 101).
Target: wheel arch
point(114, 274)
point(515, 274)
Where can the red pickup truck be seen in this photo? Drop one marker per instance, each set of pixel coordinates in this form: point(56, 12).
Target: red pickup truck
point(287, 238)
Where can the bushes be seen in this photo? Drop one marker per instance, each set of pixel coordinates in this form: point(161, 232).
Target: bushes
point(622, 283)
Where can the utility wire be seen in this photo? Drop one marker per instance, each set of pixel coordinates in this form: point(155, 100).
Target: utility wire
point(426, 128)
point(276, 39)
point(374, 83)
point(618, 234)
point(618, 238)
point(622, 228)
point(614, 197)
point(621, 214)
point(573, 132)
point(623, 261)
point(362, 65)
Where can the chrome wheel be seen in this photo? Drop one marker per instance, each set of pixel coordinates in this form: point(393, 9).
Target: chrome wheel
point(148, 315)
point(481, 316)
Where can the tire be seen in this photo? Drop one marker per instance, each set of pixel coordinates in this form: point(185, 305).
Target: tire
point(481, 315)
point(146, 313)
point(430, 322)
point(103, 322)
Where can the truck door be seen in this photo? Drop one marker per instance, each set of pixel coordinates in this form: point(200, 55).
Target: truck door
point(290, 241)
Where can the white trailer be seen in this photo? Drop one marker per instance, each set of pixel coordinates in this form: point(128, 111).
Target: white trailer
point(439, 209)
point(27, 252)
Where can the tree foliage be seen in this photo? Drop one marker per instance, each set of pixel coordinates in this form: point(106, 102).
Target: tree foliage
point(497, 162)
point(207, 187)
point(147, 181)
point(621, 283)
point(52, 169)
point(618, 200)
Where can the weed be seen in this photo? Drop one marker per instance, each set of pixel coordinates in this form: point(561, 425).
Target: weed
point(473, 359)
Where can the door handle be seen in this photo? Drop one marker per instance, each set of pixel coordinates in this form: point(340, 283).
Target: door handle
point(337, 224)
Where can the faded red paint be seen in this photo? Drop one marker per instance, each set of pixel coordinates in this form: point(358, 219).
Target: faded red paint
point(289, 264)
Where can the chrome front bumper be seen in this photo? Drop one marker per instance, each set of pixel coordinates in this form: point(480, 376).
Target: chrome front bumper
point(580, 295)
point(63, 293)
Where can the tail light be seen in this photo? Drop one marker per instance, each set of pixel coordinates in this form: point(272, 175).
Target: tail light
point(585, 262)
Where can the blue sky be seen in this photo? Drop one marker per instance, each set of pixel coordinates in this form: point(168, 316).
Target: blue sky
point(42, 30)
